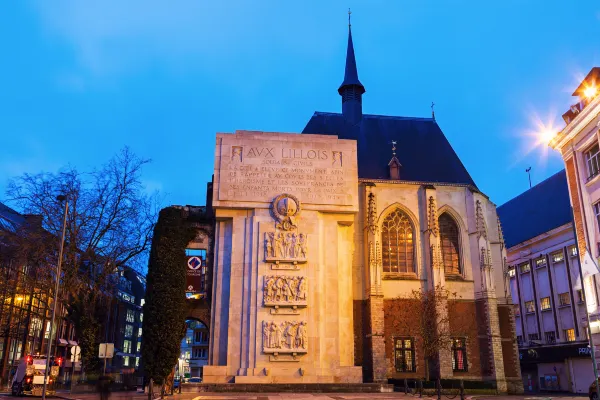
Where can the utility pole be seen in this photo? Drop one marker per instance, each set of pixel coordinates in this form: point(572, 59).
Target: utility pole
point(528, 170)
point(60, 198)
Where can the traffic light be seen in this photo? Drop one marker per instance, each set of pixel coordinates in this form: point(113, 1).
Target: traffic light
point(58, 361)
point(29, 360)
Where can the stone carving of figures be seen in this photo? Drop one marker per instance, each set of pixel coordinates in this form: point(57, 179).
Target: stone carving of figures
point(266, 334)
point(278, 289)
point(295, 249)
point(301, 336)
point(301, 294)
point(269, 289)
point(302, 246)
point(279, 245)
point(287, 292)
point(294, 288)
point(289, 335)
point(269, 244)
point(287, 244)
point(275, 336)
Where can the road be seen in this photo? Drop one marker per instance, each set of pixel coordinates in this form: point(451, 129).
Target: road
point(299, 396)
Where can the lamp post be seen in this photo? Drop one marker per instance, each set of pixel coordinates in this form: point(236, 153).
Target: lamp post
point(60, 198)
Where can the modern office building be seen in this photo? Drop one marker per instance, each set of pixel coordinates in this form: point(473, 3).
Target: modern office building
point(543, 278)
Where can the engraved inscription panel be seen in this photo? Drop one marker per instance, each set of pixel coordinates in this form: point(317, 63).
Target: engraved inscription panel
point(258, 169)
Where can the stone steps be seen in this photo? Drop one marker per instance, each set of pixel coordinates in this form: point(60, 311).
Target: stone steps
point(289, 387)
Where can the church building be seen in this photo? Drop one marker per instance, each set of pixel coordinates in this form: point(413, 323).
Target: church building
point(360, 250)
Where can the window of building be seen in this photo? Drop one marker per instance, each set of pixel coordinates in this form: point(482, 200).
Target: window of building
point(128, 330)
point(130, 316)
point(126, 346)
point(519, 340)
point(525, 268)
point(137, 362)
point(397, 241)
point(540, 262)
point(142, 315)
point(201, 352)
point(138, 347)
point(545, 303)
point(550, 337)
point(569, 335)
point(529, 306)
point(201, 336)
point(125, 361)
point(459, 354)
point(188, 340)
point(142, 302)
point(534, 337)
point(580, 296)
point(564, 299)
point(188, 355)
point(558, 257)
point(517, 309)
point(450, 244)
point(591, 159)
point(597, 213)
point(404, 354)
point(573, 251)
point(511, 272)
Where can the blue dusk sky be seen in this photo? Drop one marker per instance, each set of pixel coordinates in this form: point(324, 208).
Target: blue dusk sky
point(81, 79)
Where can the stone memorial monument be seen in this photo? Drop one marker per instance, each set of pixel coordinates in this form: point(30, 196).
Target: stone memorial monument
point(282, 306)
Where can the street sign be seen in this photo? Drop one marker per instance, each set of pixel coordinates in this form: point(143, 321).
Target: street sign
point(75, 353)
point(106, 350)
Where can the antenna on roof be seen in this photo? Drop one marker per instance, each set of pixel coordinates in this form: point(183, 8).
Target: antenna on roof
point(349, 13)
point(432, 110)
point(528, 170)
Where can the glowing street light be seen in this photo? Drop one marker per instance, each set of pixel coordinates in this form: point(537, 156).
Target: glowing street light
point(590, 92)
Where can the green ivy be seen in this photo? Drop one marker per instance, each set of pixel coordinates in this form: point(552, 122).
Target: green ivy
point(165, 306)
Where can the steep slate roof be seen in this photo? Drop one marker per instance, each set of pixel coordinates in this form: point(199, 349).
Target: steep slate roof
point(422, 149)
point(544, 207)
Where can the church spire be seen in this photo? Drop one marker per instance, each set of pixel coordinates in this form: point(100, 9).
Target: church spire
point(351, 89)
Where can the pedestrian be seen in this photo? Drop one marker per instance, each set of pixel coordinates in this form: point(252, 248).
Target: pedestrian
point(104, 383)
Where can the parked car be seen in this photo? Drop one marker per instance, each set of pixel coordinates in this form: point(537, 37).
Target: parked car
point(593, 391)
point(195, 380)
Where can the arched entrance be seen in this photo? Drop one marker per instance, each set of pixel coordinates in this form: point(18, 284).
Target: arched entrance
point(194, 350)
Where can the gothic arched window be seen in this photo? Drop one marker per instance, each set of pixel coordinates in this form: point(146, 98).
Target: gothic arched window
point(397, 242)
point(450, 244)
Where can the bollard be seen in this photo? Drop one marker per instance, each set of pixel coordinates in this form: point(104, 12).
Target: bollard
point(405, 386)
point(462, 390)
point(420, 388)
point(439, 389)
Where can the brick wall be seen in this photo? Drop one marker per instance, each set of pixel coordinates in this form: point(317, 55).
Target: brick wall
point(510, 351)
point(463, 320)
point(485, 355)
point(360, 342)
point(394, 327)
point(577, 214)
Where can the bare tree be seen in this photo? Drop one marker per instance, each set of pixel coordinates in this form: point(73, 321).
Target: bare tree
point(426, 316)
point(109, 226)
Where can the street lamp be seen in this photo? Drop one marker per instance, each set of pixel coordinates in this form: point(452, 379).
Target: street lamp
point(61, 198)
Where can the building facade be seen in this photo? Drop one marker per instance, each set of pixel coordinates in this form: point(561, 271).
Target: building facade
point(194, 351)
point(323, 240)
point(579, 145)
point(543, 278)
point(26, 301)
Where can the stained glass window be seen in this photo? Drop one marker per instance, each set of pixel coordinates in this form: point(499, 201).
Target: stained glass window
point(397, 242)
point(450, 244)
point(459, 354)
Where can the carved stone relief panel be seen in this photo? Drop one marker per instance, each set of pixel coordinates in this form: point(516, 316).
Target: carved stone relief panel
point(285, 292)
point(291, 247)
point(290, 337)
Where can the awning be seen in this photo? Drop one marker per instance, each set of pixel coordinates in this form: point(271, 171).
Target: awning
point(62, 342)
point(72, 343)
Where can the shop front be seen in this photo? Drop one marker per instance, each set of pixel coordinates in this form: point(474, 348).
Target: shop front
point(560, 368)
